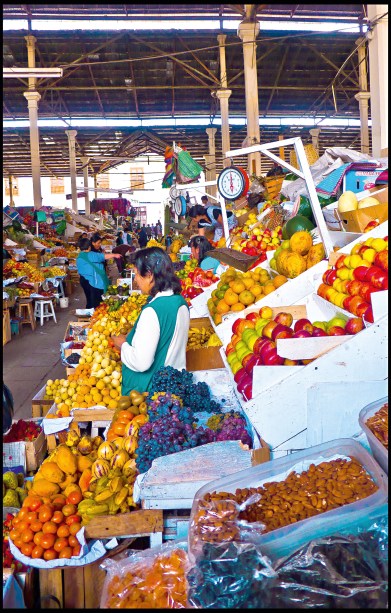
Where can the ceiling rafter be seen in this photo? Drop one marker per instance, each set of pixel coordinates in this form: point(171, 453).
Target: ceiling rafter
point(328, 61)
point(211, 75)
point(275, 85)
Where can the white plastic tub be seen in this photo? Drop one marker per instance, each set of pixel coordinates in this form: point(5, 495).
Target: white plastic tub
point(380, 452)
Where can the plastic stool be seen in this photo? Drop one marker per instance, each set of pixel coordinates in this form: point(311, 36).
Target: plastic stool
point(25, 312)
point(44, 310)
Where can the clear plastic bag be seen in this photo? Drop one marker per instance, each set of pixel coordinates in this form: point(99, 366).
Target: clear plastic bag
point(153, 579)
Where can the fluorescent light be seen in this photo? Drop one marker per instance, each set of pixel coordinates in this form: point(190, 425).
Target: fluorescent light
point(41, 73)
point(179, 24)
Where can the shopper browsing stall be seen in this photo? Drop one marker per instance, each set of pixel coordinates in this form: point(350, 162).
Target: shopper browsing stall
point(159, 336)
point(211, 218)
point(93, 278)
point(199, 247)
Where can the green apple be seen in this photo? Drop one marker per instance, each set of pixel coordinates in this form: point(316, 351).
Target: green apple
point(260, 324)
point(251, 340)
point(320, 324)
point(336, 321)
point(231, 357)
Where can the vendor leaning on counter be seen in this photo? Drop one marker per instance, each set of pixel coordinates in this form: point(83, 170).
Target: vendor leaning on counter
point(210, 218)
point(159, 336)
point(199, 248)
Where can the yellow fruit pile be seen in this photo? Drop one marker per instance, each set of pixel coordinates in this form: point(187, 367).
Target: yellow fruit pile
point(297, 254)
point(154, 243)
point(176, 245)
point(54, 271)
point(237, 290)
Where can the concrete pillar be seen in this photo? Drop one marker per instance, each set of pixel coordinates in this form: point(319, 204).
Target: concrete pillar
point(12, 203)
point(248, 31)
point(95, 186)
point(33, 98)
point(210, 161)
point(84, 161)
point(30, 42)
point(315, 138)
point(223, 95)
point(363, 95)
point(378, 78)
point(71, 134)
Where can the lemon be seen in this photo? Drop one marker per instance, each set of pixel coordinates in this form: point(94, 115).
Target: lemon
point(82, 360)
point(49, 382)
point(115, 374)
point(101, 373)
point(115, 382)
point(57, 399)
point(88, 359)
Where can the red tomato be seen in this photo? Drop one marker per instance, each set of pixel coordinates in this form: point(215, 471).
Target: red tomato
point(50, 554)
point(76, 550)
point(71, 519)
point(47, 541)
point(75, 497)
point(60, 544)
point(37, 537)
point(49, 527)
point(69, 509)
point(45, 513)
point(32, 516)
point(73, 542)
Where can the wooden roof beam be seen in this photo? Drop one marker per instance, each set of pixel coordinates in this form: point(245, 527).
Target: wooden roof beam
point(212, 76)
point(280, 69)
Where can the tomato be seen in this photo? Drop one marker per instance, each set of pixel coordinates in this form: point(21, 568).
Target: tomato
point(18, 542)
point(27, 549)
point(47, 541)
point(15, 522)
point(23, 513)
point(14, 533)
point(60, 543)
point(23, 525)
point(45, 513)
point(49, 527)
point(63, 530)
point(71, 519)
point(38, 537)
point(37, 552)
point(27, 535)
point(72, 540)
point(32, 502)
point(76, 550)
point(69, 509)
point(50, 554)
point(74, 528)
point(32, 516)
point(58, 517)
point(36, 526)
point(58, 501)
point(65, 553)
point(75, 497)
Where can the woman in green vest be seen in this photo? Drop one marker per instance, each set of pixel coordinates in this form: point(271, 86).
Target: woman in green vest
point(159, 336)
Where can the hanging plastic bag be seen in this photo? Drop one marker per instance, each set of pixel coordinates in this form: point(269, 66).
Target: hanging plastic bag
point(188, 169)
point(154, 579)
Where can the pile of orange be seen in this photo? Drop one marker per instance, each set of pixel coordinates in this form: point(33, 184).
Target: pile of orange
point(46, 528)
point(237, 290)
point(160, 585)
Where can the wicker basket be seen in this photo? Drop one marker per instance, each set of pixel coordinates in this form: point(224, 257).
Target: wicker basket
point(236, 259)
point(310, 152)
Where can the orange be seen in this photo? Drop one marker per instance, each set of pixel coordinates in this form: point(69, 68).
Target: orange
point(248, 282)
point(279, 280)
point(246, 297)
point(238, 286)
point(237, 307)
point(268, 288)
point(118, 429)
point(231, 297)
point(257, 290)
point(222, 307)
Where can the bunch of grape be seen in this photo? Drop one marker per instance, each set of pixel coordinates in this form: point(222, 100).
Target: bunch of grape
point(168, 405)
point(179, 382)
point(233, 428)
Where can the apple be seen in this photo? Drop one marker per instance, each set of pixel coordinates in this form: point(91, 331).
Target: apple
point(302, 334)
point(254, 360)
point(236, 324)
point(343, 273)
point(273, 359)
point(239, 374)
point(235, 366)
point(232, 357)
point(247, 333)
point(340, 262)
point(354, 325)
point(361, 309)
point(242, 354)
point(267, 348)
point(331, 276)
point(353, 287)
point(381, 260)
point(266, 312)
point(281, 331)
point(319, 324)
point(378, 279)
point(245, 323)
point(336, 321)
point(260, 324)
point(286, 319)
point(245, 380)
point(322, 289)
point(347, 303)
point(253, 317)
point(240, 345)
point(229, 350)
point(259, 344)
point(251, 341)
point(303, 324)
point(360, 272)
point(368, 315)
point(268, 329)
point(319, 332)
point(336, 331)
point(366, 291)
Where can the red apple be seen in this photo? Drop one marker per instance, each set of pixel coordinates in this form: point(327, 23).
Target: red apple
point(267, 348)
point(361, 309)
point(236, 324)
point(303, 324)
point(302, 334)
point(381, 260)
point(255, 360)
point(366, 295)
point(286, 319)
point(370, 271)
point(268, 329)
point(239, 374)
point(281, 331)
point(360, 272)
point(340, 262)
point(273, 359)
point(229, 350)
point(324, 277)
point(247, 391)
point(253, 316)
point(331, 276)
point(354, 325)
point(336, 331)
point(246, 359)
point(368, 315)
point(347, 303)
point(362, 249)
point(319, 332)
point(353, 287)
point(379, 279)
point(245, 379)
point(259, 344)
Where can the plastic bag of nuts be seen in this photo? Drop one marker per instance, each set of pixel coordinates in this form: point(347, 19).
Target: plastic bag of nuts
point(286, 492)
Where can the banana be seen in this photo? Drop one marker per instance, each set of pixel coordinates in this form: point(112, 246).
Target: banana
point(121, 496)
point(104, 495)
point(113, 508)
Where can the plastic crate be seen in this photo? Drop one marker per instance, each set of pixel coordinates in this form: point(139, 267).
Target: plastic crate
point(380, 452)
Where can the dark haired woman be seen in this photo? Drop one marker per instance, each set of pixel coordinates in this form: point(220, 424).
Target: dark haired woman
point(210, 218)
point(93, 278)
point(199, 247)
point(159, 336)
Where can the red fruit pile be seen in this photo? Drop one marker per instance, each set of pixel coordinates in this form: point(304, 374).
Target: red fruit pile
point(22, 431)
point(8, 559)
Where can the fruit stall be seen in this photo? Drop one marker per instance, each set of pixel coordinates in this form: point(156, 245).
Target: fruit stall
point(256, 476)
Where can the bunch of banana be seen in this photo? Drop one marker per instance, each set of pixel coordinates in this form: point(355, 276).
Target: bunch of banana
point(214, 341)
point(198, 337)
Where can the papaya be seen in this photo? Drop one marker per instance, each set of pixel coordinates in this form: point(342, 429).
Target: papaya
point(295, 264)
point(315, 255)
point(52, 472)
point(300, 242)
point(83, 462)
point(43, 487)
point(85, 479)
point(67, 481)
point(72, 487)
point(66, 460)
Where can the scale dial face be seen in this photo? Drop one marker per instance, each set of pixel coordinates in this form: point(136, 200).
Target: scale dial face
point(230, 183)
point(178, 205)
point(174, 192)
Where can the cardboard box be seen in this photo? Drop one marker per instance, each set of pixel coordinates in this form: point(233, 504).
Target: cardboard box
point(356, 221)
point(35, 452)
point(80, 325)
point(205, 358)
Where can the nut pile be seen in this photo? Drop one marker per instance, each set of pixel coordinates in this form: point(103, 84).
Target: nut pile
point(320, 488)
point(378, 424)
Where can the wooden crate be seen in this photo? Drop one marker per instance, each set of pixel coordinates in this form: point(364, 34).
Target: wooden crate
point(6, 326)
point(35, 452)
point(204, 358)
point(40, 406)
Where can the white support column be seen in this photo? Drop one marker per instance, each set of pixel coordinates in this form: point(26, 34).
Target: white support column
point(223, 95)
point(315, 138)
point(248, 31)
point(210, 161)
point(95, 186)
point(12, 203)
point(71, 134)
point(33, 98)
point(84, 161)
point(363, 95)
point(378, 78)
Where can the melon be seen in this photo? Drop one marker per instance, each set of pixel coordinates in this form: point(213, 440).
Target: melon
point(297, 223)
point(369, 201)
point(347, 202)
